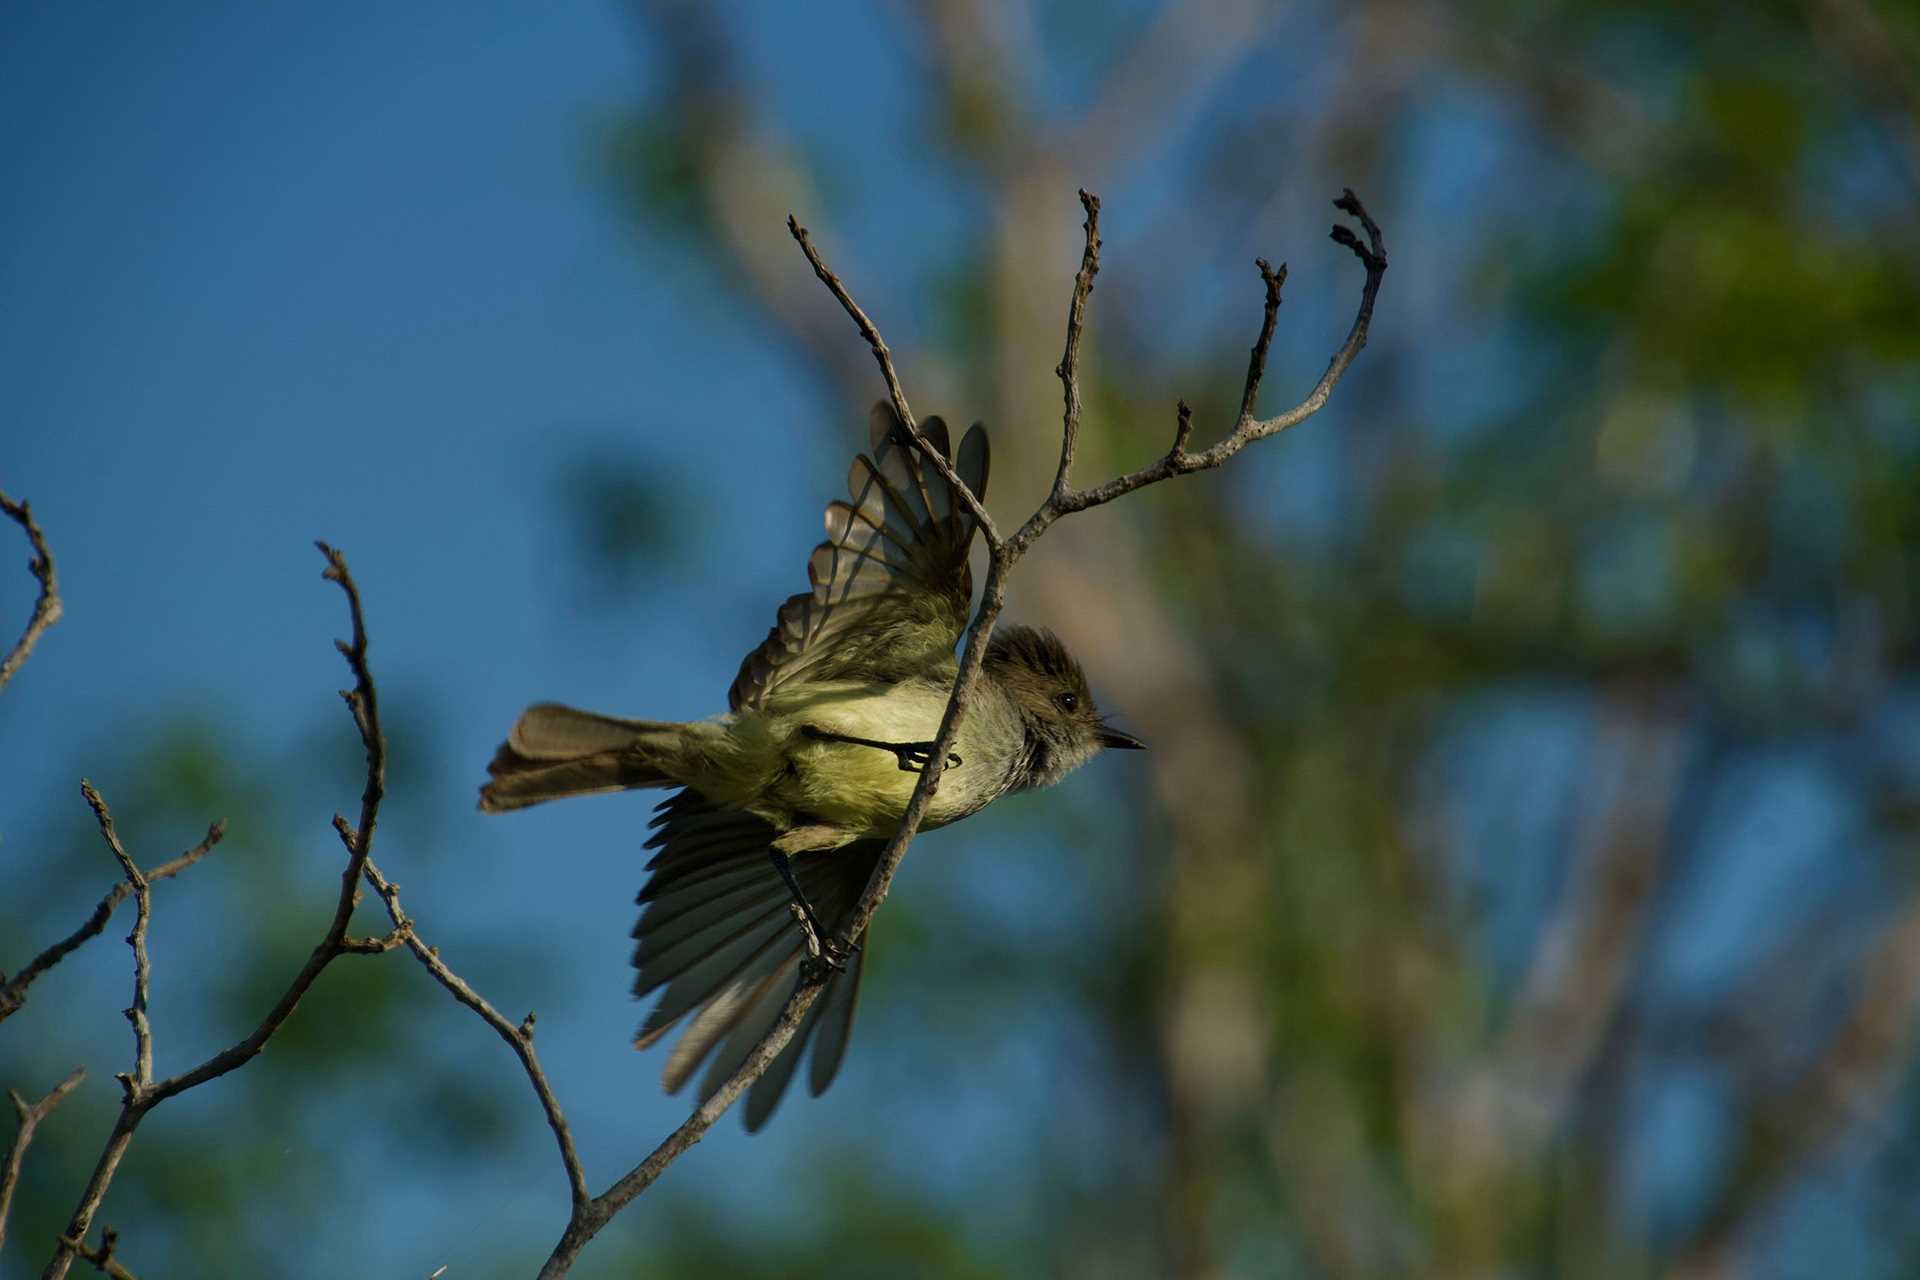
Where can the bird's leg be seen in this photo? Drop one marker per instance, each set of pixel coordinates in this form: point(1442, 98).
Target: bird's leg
point(803, 912)
point(913, 756)
point(823, 948)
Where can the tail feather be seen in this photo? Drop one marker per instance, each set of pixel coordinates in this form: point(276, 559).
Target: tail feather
point(550, 731)
point(555, 751)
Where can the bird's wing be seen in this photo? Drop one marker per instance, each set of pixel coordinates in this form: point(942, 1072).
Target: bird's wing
point(715, 932)
point(891, 587)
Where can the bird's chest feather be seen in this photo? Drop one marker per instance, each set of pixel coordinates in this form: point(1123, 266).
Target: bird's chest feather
point(864, 788)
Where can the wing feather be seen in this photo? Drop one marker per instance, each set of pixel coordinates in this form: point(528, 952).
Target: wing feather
point(890, 587)
point(717, 942)
point(835, 1009)
point(766, 1091)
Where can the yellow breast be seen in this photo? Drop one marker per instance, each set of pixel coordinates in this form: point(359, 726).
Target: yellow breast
point(858, 787)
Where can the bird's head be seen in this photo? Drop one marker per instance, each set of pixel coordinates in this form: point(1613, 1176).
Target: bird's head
point(1063, 726)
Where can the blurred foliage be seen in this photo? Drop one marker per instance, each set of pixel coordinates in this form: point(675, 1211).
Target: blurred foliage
point(623, 519)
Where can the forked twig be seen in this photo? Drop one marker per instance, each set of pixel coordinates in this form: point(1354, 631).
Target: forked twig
point(13, 991)
point(142, 1093)
point(29, 1115)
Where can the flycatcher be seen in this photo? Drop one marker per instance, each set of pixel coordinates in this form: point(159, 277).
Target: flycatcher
point(830, 721)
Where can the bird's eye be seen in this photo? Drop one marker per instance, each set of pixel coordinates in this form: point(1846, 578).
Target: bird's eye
point(1068, 701)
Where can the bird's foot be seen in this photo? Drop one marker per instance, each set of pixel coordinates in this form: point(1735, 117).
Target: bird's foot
point(913, 756)
point(827, 953)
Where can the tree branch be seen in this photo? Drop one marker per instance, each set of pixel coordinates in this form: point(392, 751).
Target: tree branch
point(142, 1076)
point(884, 355)
point(30, 1118)
point(588, 1218)
point(1068, 370)
point(47, 609)
point(13, 992)
point(102, 1256)
point(519, 1037)
point(142, 1092)
point(1246, 428)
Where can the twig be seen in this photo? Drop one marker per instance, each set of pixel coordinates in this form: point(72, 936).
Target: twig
point(143, 1093)
point(142, 969)
point(366, 716)
point(30, 1117)
point(47, 609)
point(13, 992)
point(884, 355)
point(102, 1258)
point(588, 1218)
point(519, 1038)
point(1068, 370)
point(1246, 428)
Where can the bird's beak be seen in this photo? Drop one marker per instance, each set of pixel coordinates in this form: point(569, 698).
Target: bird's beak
point(1108, 736)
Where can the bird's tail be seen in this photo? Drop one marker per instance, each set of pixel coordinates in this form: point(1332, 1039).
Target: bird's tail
point(555, 751)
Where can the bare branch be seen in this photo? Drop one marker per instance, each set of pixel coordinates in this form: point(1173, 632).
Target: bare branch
point(363, 701)
point(143, 1093)
point(1257, 358)
point(884, 355)
point(589, 1217)
point(47, 609)
point(142, 971)
point(13, 992)
point(102, 1257)
point(519, 1038)
point(1068, 370)
point(1246, 429)
point(30, 1117)
point(389, 941)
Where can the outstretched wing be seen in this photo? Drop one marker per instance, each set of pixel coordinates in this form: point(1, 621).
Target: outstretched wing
point(891, 587)
point(715, 932)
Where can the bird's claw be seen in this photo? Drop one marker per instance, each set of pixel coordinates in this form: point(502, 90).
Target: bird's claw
point(915, 756)
point(827, 953)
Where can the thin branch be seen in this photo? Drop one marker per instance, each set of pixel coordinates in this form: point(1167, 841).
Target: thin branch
point(142, 1075)
point(1257, 357)
point(102, 1257)
point(143, 1093)
point(884, 355)
point(1068, 370)
point(590, 1217)
point(30, 1117)
point(519, 1037)
point(13, 992)
point(390, 941)
point(587, 1219)
point(366, 717)
point(47, 609)
point(1246, 429)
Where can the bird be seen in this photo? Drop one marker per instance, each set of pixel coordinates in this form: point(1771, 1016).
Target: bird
point(784, 803)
